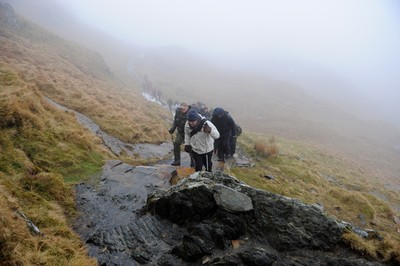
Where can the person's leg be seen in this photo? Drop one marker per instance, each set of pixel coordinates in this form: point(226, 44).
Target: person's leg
point(177, 148)
point(220, 149)
point(232, 146)
point(207, 161)
point(198, 159)
point(225, 146)
point(192, 162)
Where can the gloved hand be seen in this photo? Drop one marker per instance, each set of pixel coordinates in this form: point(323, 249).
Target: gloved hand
point(171, 130)
point(188, 148)
point(206, 128)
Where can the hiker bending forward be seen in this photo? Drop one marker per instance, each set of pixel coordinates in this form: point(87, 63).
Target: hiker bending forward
point(200, 134)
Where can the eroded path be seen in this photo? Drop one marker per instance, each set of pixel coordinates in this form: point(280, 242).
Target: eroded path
point(112, 222)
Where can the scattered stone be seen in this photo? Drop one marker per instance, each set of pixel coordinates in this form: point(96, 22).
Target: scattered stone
point(270, 177)
point(319, 206)
point(362, 218)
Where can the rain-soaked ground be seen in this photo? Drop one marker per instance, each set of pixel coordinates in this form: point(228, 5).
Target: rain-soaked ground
point(111, 222)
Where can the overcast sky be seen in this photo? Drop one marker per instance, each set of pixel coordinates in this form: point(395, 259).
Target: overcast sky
point(356, 38)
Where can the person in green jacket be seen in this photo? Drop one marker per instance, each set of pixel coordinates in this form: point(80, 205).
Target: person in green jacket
point(180, 119)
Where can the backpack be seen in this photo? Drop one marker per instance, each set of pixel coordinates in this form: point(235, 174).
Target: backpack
point(238, 130)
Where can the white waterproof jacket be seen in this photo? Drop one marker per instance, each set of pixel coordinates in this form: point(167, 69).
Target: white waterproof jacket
point(201, 142)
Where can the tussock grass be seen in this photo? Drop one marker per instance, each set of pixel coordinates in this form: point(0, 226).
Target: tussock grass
point(20, 247)
point(366, 248)
point(41, 148)
point(266, 149)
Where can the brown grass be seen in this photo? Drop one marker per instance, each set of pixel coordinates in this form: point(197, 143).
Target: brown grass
point(40, 148)
point(313, 176)
point(18, 246)
point(266, 149)
point(61, 72)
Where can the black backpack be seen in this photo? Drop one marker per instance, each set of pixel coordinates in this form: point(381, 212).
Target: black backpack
point(238, 130)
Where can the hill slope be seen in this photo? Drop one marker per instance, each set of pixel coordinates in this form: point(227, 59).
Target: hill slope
point(42, 147)
point(79, 79)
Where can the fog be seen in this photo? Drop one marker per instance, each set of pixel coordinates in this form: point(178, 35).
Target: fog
point(356, 40)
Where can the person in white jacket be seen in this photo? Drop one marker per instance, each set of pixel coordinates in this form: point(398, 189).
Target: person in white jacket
point(200, 134)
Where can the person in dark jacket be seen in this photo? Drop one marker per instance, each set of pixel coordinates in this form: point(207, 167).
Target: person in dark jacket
point(227, 129)
point(179, 124)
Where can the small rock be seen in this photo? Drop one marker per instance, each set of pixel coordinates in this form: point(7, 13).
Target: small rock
point(232, 200)
point(319, 206)
point(362, 218)
point(269, 177)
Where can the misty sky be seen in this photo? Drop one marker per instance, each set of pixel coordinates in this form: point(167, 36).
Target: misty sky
point(359, 39)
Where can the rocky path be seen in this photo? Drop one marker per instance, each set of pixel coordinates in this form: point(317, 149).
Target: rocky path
point(133, 215)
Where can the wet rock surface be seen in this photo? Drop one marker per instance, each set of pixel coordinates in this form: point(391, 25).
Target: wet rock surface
point(134, 216)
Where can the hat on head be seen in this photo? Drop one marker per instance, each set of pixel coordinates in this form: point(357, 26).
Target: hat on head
point(193, 115)
point(218, 111)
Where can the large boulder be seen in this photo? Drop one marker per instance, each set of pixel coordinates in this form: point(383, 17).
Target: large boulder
point(132, 215)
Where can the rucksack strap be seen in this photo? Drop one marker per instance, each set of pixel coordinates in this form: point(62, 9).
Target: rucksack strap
point(198, 127)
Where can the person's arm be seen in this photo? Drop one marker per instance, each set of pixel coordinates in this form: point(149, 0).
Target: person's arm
point(174, 124)
point(214, 133)
point(232, 125)
point(187, 134)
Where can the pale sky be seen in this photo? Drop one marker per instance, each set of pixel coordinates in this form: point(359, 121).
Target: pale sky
point(359, 39)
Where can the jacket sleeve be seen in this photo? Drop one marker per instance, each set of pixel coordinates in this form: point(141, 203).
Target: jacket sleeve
point(214, 131)
point(187, 134)
point(232, 125)
point(175, 123)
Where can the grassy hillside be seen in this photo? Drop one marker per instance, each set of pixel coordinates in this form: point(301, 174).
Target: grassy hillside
point(43, 150)
point(78, 78)
point(305, 172)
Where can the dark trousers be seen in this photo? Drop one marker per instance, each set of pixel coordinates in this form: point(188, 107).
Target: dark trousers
point(203, 160)
point(222, 146)
point(232, 146)
point(177, 145)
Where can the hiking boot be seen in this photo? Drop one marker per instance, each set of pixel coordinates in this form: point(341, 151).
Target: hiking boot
point(176, 163)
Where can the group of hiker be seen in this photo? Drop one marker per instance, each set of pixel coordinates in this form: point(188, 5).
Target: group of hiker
point(203, 133)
